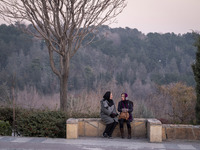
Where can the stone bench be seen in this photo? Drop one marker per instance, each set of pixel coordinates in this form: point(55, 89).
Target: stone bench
point(94, 127)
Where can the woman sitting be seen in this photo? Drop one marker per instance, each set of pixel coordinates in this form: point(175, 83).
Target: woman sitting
point(125, 107)
point(108, 114)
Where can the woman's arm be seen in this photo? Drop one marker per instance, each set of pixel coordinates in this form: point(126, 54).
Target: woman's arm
point(104, 108)
point(119, 107)
point(130, 108)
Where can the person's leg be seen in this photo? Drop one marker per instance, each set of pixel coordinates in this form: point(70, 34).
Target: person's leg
point(107, 129)
point(129, 128)
point(121, 125)
point(114, 124)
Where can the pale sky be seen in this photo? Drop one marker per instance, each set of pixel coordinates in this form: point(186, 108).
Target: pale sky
point(178, 16)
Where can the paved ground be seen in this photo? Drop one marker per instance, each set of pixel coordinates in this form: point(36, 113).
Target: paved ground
point(26, 143)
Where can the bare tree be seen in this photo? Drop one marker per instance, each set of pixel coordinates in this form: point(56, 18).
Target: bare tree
point(63, 24)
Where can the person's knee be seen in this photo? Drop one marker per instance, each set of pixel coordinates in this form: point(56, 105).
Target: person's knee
point(128, 125)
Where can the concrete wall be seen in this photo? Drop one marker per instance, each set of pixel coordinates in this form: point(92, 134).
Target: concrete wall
point(141, 128)
point(186, 132)
point(94, 127)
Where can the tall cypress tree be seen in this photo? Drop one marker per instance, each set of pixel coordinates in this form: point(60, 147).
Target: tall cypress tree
point(196, 71)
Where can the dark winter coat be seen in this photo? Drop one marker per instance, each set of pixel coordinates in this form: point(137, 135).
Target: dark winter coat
point(126, 104)
point(108, 112)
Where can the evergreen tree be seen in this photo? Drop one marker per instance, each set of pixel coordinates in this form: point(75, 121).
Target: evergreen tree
point(196, 70)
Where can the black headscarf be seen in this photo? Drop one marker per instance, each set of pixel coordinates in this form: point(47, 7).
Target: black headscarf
point(107, 97)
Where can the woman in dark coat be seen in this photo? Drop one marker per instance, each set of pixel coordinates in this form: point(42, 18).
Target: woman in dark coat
point(125, 106)
point(108, 114)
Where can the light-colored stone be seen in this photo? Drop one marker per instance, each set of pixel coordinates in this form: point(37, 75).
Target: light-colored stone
point(139, 129)
point(116, 132)
point(72, 121)
point(91, 128)
point(170, 133)
point(72, 131)
point(184, 133)
point(151, 128)
point(163, 134)
point(81, 128)
point(196, 132)
point(101, 128)
point(154, 132)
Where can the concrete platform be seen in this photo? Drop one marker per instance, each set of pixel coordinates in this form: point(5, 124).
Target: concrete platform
point(86, 143)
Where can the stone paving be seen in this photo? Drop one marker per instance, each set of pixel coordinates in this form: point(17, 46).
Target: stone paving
point(87, 143)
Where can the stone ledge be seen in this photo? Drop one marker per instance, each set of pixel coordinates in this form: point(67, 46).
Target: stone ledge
point(154, 122)
point(186, 132)
point(141, 128)
point(94, 127)
point(72, 121)
point(154, 130)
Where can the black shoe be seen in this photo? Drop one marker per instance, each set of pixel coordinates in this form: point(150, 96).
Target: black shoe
point(110, 137)
point(105, 135)
point(129, 133)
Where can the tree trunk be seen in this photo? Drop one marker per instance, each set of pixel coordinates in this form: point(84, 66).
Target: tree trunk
point(63, 93)
point(63, 81)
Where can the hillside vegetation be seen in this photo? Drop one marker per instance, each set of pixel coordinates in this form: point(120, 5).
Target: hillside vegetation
point(119, 59)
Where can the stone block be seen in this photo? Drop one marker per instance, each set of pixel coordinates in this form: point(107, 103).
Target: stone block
point(196, 132)
point(91, 128)
point(102, 127)
point(139, 129)
point(163, 134)
point(116, 132)
point(154, 128)
point(72, 129)
point(81, 128)
point(184, 133)
point(170, 133)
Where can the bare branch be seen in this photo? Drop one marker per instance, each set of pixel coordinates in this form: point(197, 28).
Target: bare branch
point(63, 24)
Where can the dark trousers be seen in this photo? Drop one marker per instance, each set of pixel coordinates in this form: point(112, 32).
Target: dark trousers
point(121, 123)
point(110, 128)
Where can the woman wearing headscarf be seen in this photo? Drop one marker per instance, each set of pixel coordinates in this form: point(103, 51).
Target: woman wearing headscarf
point(125, 106)
point(108, 114)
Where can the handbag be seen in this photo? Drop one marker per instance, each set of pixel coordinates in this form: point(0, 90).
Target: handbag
point(124, 115)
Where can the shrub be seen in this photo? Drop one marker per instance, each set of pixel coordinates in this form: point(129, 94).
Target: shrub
point(42, 124)
point(5, 128)
point(6, 114)
point(196, 71)
point(182, 100)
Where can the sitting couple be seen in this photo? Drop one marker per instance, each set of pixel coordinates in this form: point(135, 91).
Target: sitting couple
point(109, 114)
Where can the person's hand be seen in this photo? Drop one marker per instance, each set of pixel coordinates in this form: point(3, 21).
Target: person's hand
point(124, 110)
point(112, 115)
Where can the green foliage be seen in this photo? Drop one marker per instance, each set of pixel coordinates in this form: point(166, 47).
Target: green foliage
point(42, 124)
point(37, 123)
point(6, 114)
point(5, 128)
point(196, 70)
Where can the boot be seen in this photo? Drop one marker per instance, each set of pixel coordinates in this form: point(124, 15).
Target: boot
point(122, 133)
point(129, 133)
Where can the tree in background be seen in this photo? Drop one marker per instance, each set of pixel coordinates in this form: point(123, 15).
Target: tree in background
point(196, 70)
point(182, 101)
point(63, 24)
